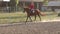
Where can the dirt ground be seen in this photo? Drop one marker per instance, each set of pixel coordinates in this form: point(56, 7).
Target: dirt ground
point(32, 28)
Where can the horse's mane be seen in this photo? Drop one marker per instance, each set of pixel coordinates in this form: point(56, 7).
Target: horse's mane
point(26, 7)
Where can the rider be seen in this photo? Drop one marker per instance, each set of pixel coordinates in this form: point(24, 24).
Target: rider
point(32, 7)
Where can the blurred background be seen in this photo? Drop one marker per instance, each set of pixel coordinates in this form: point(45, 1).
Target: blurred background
point(12, 10)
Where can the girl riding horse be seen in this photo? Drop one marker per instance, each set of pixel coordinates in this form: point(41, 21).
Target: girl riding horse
point(37, 12)
point(29, 10)
point(32, 7)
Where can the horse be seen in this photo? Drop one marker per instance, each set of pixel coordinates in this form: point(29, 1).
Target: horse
point(29, 14)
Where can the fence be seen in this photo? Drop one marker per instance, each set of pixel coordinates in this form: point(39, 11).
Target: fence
point(10, 9)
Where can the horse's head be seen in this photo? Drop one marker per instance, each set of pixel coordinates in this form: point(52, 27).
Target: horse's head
point(26, 9)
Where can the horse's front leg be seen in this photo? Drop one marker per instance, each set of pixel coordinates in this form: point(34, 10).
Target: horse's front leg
point(30, 18)
point(35, 18)
point(27, 19)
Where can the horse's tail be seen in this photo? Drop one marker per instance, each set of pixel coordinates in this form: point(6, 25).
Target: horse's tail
point(41, 13)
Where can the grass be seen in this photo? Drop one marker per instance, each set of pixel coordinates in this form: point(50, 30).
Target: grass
point(12, 17)
point(6, 18)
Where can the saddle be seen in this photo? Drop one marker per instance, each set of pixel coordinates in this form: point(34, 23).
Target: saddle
point(32, 11)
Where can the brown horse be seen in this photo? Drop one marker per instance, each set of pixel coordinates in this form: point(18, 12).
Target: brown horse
point(36, 12)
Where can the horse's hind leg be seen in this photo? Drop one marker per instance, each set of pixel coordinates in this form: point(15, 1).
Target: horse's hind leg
point(39, 17)
point(35, 17)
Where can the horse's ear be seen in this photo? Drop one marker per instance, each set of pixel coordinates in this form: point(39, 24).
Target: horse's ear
point(23, 8)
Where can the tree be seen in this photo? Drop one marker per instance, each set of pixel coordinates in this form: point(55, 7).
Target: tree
point(17, 1)
point(45, 2)
point(14, 4)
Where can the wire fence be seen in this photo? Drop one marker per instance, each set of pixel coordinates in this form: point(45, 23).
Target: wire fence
point(10, 9)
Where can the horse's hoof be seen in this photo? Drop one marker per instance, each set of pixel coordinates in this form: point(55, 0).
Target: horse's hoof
point(25, 21)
